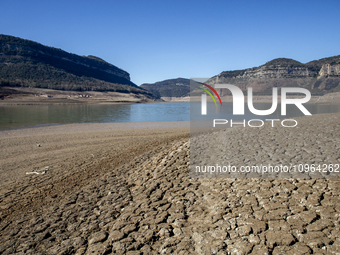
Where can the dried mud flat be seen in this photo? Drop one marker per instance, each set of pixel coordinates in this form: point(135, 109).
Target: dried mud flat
point(138, 198)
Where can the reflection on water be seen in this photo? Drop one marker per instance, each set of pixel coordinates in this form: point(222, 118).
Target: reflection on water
point(16, 116)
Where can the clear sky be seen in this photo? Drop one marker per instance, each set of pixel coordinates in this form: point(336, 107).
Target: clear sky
point(163, 39)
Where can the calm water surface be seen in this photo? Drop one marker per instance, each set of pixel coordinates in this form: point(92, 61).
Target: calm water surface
point(18, 116)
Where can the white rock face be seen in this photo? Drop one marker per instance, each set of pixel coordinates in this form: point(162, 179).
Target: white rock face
point(283, 73)
point(330, 70)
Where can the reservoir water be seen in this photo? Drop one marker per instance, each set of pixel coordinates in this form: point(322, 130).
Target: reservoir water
point(19, 116)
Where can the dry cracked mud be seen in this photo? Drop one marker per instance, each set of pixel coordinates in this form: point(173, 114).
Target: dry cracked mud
point(149, 204)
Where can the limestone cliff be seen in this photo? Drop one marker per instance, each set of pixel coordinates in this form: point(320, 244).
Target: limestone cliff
point(318, 76)
point(329, 70)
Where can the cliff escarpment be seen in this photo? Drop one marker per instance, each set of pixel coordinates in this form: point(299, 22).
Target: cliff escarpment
point(318, 76)
point(30, 64)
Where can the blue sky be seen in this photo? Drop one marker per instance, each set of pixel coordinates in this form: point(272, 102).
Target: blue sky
point(157, 40)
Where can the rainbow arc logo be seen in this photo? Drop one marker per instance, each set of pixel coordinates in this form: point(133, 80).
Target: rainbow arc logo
point(204, 97)
point(208, 92)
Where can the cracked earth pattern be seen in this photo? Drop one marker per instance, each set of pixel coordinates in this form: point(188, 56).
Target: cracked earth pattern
point(150, 205)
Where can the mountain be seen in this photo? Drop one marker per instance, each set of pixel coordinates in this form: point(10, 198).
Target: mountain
point(30, 64)
point(319, 76)
point(168, 88)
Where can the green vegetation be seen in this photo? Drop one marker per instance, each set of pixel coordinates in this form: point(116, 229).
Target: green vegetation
point(232, 74)
point(169, 88)
point(318, 63)
point(30, 64)
point(284, 62)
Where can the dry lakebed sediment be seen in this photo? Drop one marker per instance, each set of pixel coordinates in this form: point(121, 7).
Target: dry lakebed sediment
point(126, 189)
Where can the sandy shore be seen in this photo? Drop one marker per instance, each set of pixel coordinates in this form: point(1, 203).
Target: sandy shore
point(30, 149)
point(126, 189)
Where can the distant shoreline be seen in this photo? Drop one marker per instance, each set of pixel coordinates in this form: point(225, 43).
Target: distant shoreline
point(331, 99)
point(37, 96)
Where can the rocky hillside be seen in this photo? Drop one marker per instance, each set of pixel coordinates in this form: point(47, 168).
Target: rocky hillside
point(168, 88)
point(318, 76)
point(29, 64)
